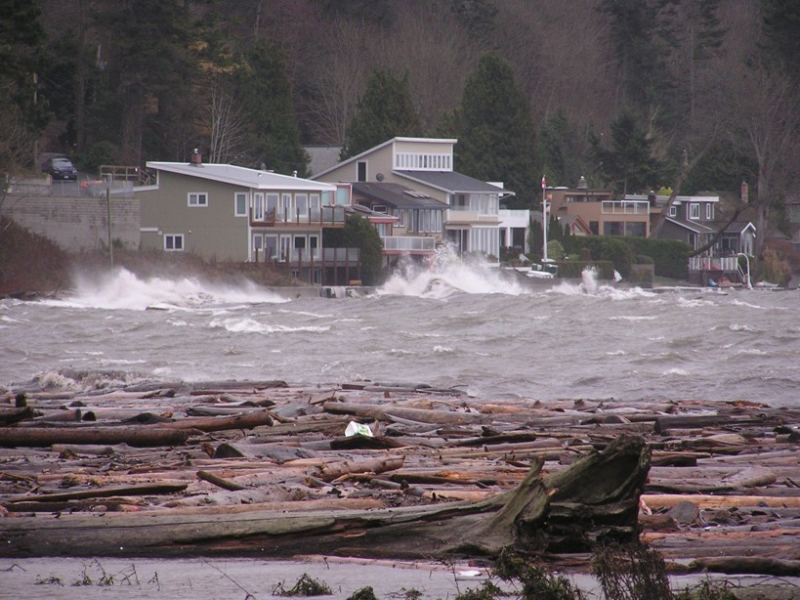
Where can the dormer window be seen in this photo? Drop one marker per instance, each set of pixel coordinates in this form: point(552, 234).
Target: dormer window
point(694, 210)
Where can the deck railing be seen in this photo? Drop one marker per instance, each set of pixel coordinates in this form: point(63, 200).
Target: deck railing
point(727, 264)
point(324, 216)
point(408, 243)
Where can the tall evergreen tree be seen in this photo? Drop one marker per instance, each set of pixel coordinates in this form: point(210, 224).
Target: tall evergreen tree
point(150, 64)
point(557, 150)
point(704, 35)
point(629, 165)
point(496, 134)
point(642, 35)
point(782, 33)
point(266, 103)
point(383, 112)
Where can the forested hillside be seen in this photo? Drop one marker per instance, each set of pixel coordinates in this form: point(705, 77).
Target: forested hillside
point(634, 94)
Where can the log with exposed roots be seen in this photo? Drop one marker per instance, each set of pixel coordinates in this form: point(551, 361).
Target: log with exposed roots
point(595, 500)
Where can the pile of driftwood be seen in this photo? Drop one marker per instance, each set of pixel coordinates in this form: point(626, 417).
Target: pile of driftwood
point(264, 468)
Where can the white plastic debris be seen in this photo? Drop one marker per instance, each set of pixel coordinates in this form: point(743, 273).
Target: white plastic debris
point(354, 428)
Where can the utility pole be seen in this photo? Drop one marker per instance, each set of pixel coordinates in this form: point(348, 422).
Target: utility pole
point(108, 210)
point(544, 220)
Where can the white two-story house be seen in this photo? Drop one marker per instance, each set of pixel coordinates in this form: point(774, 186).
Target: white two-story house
point(471, 220)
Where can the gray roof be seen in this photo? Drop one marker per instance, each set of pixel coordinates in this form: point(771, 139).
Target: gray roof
point(322, 158)
point(396, 195)
point(242, 176)
point(691, 225)
point(738, 226)
point(450, 181)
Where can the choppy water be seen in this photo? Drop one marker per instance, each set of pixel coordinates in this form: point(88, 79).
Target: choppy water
point(459, 326)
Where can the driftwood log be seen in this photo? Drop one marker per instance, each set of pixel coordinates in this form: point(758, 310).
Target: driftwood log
point(595, 499)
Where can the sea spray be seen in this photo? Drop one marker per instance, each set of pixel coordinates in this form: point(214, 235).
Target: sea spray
point(122, 289)
point(446, 274)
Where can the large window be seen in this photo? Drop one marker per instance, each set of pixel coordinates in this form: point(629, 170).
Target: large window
point(173, 242)
point(694, 210)
point(286, 207)
point(272, 206)
point(198, 199)
point(258, 207)
point(270, 247)
point(240, 204)
point(301, 205)
point(709, 211)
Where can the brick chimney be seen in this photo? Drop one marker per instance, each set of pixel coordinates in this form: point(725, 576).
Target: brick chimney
point(197, 158)
point(744, 192)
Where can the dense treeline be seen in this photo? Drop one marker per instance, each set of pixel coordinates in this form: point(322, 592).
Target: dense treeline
point(636, 94)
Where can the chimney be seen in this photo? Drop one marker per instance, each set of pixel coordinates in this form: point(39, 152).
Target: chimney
point(744, 192)
point(582, 184)
point(197, 158)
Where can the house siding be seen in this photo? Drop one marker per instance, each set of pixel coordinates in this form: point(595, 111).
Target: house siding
point(212, 231)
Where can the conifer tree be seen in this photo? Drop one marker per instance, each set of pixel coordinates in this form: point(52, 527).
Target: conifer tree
point(383, 112)
point(495, 141)
point(266, 104)
point(629, 165)
point(782, 32)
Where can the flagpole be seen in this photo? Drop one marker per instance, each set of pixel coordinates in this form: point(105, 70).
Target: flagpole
point(544, 219)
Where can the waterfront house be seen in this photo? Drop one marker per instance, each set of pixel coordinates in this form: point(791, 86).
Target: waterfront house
point(231, 213)
point(598, 210)
point(425, 165)
point(409, 222)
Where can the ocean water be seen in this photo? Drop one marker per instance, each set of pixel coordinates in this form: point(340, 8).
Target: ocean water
point(466, 326)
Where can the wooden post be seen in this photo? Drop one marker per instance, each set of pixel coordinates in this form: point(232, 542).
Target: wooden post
point(347, 266)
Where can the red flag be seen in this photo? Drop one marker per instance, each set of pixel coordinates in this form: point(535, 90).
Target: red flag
point(544, 182)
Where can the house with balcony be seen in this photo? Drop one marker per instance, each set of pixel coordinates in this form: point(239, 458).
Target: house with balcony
point(230, 213)
point(410, 223)
point(425, 165)
point(598, 210)
point(694, 220)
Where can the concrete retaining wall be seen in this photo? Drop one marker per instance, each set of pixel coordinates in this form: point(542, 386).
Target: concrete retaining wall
point(77, 223)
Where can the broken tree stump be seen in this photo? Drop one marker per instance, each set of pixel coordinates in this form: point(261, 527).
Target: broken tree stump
point(594, 500)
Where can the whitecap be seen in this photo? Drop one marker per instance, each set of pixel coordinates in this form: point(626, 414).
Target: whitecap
point(443, 349)
point(247, 325)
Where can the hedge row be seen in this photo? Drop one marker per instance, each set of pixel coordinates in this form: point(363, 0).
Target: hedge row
point(670, 257)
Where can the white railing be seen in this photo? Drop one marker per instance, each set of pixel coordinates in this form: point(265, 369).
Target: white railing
point(408, 243)
point(728, 264)
point(625, 207)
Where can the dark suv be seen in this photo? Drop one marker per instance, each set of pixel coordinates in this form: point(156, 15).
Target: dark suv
point(61, 167)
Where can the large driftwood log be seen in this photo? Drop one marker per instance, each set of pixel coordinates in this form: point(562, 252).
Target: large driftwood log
point(132, 435)
point(596, 499)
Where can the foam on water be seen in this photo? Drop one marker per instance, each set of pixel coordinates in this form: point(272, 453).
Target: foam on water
point(248, 325)
point(589, 286)
point(122, 289)
point(446, 275)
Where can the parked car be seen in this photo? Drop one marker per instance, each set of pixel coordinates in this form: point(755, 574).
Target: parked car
point(60, 167)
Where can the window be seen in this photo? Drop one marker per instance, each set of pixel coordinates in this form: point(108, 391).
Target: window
point(173, 242)
point(270, 247)
point(673, 211)
point(258, 243)
point(709, 212)
point(301, 204)
point(342, 195)
point(313, 245)
point(286, 242)
point(240, 204)
point(198, 199)
point(361, 171)
point(327, 198)
point(694, 210)
point(313, 207)
point(272, 206)
point(299, 248)
point(286, 207)
point(258, 209)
